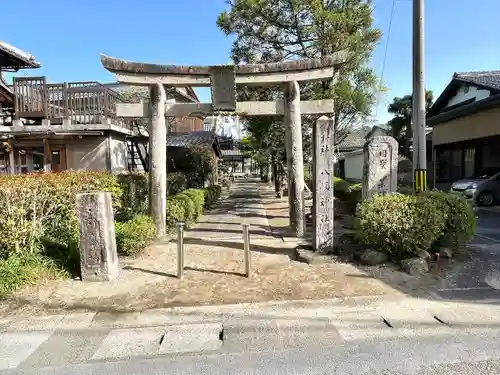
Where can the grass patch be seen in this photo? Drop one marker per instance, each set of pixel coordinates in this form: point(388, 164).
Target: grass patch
point(18, 271)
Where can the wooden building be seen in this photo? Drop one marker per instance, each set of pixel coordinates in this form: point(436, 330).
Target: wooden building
point(70, 126)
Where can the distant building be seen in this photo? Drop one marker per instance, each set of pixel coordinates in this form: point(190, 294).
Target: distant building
point(224, 126)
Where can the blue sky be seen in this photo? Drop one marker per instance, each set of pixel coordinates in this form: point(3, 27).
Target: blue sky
point(68, 36)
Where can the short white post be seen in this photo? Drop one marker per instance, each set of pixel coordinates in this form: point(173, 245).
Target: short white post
point(246, 249)
point(180, 250)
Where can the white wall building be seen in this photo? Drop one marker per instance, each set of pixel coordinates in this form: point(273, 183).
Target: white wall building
point(228, 126)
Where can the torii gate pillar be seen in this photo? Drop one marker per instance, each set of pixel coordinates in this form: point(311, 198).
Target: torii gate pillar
point(158, 158)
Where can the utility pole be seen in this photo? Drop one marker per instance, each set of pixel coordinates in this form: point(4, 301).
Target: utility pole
point(418, 102)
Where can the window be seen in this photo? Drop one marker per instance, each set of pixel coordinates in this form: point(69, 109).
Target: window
point(469, 161)
point(449, 164)
point(56, 158)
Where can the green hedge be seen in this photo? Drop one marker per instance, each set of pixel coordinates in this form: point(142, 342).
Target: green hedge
point(198, 198)
point(212, 195)
point(187, 206)
point(134, 235)
point(403, 225)
point(347, 192)
point(135, 187)
point(38, 224)
point(460, 218)
point(39, 209)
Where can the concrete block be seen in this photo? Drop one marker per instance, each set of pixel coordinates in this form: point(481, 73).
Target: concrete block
point(63, 348)
point(15, 347)
point(124, 343)
point(191, 338)
point(76, 321)
point(41, 323)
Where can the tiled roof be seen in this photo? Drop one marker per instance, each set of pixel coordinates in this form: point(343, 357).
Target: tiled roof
point(356, 138)
point(489, 78)
point(191, 139)
point(14, 58)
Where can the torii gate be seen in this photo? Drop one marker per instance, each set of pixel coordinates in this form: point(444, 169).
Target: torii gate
point(223, 80)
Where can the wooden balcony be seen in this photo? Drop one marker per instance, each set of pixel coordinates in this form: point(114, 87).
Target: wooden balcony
point(78, 102)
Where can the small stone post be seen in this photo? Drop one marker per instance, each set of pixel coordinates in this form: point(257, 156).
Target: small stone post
point(98, 256)
point(158, 158)
point(323, 167)
point(296, 174)
point(380, 167)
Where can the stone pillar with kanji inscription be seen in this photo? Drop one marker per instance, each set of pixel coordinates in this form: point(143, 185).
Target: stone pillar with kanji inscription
point(323, 164)
point(380, 167)
point(98, 255)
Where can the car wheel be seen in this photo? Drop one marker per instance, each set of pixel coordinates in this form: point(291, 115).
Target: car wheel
point(485, 199)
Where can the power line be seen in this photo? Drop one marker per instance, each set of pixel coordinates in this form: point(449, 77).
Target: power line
point(393, 7)
point(388, 39)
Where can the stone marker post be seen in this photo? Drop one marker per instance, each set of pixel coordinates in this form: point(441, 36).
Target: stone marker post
point(158, 159)
point(380, 167)
point(295, 153)
point(98, 256)
point(323, 165)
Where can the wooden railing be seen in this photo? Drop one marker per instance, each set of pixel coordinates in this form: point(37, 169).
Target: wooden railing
point(80, 102)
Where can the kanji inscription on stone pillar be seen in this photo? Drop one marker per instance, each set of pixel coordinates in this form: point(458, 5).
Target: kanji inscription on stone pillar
point(323, 160)
point(98, 256)
point(380, 167)
point(222, 79)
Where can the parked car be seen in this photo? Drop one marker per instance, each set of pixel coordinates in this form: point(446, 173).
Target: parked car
point(483, 188)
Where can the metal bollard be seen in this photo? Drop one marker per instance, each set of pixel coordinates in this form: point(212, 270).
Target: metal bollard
point(246, 249)
point(180, 250)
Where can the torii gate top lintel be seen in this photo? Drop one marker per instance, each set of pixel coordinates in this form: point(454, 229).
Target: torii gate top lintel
point(136, 73)
point(116, 65)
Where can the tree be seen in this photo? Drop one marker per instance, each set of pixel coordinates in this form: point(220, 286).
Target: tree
point(276, 30)
point(400, 124)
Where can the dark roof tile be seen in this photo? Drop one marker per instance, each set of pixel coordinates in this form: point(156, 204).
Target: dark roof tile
point(14, 58)
point(489, 78)
point(202, 138)
point(356, 138)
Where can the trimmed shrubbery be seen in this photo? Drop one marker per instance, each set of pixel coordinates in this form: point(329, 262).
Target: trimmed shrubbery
point(212, 195)
point(198, 198)
point(404, 225)
point(134, 235)
point(347, 192)
point(38, 225)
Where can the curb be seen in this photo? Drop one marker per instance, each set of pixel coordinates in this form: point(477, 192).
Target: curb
point(298, 309)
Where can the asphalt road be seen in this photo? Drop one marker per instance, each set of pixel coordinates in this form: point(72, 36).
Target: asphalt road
point(463, 354)
point(479, 278)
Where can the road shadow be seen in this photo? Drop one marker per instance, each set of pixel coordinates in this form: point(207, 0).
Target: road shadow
point(151, 272)
point(236, 231)
point(216, 272)
point(239, 246)
point(253, 215)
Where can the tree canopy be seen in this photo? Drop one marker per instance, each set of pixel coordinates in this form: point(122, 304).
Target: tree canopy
point(400, 124)
point(277, 30)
